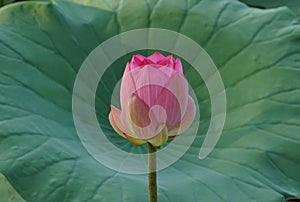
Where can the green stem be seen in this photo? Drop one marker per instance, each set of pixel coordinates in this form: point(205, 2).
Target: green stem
point(152, 184)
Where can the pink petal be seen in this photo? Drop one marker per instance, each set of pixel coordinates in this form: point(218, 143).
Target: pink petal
point(138, 112)
point(127, 87)
point(138, 58)
point(158, 113)
point(147, 62)
point(189, 115)
point(186, 121)
point(167, 70)
point(169, 102)
point(127, 68)
point(178, 66)
point(167, 61)
point(114, 119)
point(137, 117)
point(174, 98)
point(148, 83)
point(156, 57)
point(149, 93)
point(136, 62)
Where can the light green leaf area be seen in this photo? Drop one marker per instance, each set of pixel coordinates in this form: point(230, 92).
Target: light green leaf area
point(7, 193)
point(42, 46)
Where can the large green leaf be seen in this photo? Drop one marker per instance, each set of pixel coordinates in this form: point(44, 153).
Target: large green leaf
point(6, 2)
point(294, 5)
point(42, 46)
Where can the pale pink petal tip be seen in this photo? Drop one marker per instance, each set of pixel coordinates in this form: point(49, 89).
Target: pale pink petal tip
point(114, 119)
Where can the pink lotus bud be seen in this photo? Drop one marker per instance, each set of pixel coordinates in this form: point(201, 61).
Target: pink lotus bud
point(154, 99)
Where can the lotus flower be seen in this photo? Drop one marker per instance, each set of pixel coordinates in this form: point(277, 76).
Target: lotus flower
point(155, 104)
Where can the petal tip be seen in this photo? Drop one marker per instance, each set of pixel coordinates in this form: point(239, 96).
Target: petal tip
point(156, 57)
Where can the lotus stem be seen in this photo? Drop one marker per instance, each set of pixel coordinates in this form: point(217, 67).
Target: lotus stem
point(152, 183)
